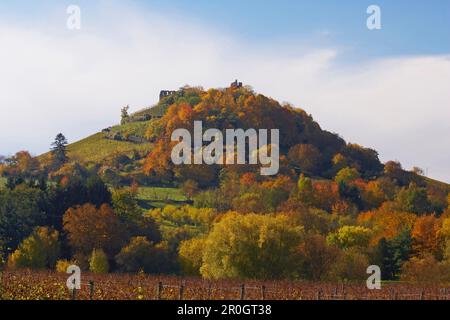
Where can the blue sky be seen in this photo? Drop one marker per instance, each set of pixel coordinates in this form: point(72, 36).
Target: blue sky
point(386, 89)
point(409, 27)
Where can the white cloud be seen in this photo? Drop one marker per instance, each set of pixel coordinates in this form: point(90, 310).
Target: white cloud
point(54, 80)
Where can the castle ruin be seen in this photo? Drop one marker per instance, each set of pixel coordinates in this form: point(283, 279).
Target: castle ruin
point(165, 93)
point(236, 84)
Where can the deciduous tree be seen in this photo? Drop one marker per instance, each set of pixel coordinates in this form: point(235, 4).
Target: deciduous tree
point(251, 246)
point(89, 228)
point(350, 236)
point(305, 157)
point(39, 251)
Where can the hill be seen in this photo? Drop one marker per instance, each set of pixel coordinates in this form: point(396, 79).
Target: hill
point(305, 147)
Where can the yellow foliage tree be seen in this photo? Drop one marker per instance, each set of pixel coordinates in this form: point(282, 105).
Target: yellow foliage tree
point(251, 246)
point(350, 236)
point(190, 254)
point(98, 262)
point(39, 251)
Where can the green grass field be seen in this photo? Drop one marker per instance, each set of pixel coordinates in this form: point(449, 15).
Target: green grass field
point(132, 128)
point(96, 148)
point(158, 110)
point(2, 182)
point(159, 197)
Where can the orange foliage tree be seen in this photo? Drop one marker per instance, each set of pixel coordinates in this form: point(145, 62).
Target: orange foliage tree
point(386, 223)
point(89, 228)
point(426, 234)
point(326, 194)
point(158, 162)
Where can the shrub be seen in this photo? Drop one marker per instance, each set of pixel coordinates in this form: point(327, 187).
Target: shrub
point(317, 257)
point(350, 265)
point(62, 265)
point(425, 269)
point(190, 188)
point(98, 263)
point(142, 255)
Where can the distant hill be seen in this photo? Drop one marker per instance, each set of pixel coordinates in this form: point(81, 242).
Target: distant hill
point(227, 108)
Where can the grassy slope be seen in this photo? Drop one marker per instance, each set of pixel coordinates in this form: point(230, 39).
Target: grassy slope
point(161, 193)
point(159, 110)
point(96, 148)
point(2, 182)
point(437, 183)
point(133, 128)
point(160, 196)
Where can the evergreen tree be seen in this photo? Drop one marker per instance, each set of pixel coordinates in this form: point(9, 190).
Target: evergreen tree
point(402, 248)
point(97, 191)
point(58, 149)
point(386, 260)
point(391, 254)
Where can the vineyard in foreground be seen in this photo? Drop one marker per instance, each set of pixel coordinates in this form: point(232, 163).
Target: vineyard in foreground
point(30, 285)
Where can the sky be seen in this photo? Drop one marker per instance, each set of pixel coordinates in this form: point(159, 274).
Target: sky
point(385, 89)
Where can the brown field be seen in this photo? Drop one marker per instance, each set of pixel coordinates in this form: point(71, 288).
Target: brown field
point(47, 285)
